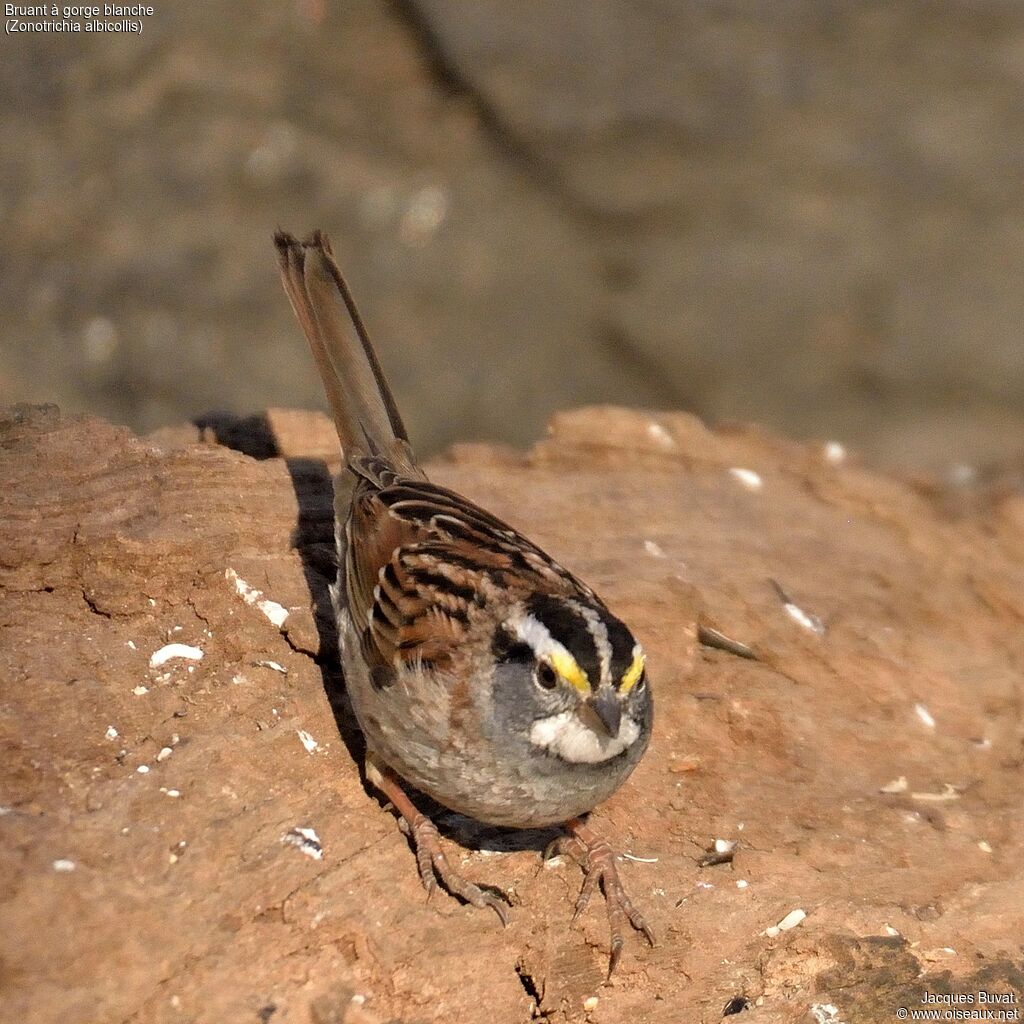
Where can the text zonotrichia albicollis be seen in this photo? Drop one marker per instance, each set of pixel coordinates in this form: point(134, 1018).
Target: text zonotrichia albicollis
point(481, 672)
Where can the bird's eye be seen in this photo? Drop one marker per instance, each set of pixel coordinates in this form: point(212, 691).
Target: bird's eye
point(546, 676)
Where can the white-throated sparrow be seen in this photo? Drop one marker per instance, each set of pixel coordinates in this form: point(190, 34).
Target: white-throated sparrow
point(481, 672)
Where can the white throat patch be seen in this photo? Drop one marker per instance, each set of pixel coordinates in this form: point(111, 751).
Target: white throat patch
point(573, 740)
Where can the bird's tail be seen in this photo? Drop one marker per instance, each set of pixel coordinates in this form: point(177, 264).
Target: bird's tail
point(364, 410)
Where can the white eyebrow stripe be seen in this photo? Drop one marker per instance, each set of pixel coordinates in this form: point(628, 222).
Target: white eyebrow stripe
point(599, 634)
point(533, 632)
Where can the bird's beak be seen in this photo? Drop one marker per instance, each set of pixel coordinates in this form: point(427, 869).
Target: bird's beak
point(605, 704)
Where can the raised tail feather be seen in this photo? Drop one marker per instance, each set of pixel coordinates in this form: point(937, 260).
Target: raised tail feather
point(364, 410)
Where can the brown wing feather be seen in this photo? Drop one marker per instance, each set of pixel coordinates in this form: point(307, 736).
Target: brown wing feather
point(374, 536)
point(483, 538)
point(427, 561)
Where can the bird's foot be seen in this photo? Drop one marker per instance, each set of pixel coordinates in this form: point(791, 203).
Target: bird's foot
point(431, 861)
point(434, 865)
point(598, 862)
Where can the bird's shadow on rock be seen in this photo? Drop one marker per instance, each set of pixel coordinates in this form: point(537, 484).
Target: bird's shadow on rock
point(313, 539)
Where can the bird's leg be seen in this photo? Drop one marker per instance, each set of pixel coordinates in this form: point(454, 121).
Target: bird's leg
point(430, 858)
point(598, 862)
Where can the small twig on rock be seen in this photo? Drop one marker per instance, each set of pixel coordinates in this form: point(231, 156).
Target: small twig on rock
point(711, 637)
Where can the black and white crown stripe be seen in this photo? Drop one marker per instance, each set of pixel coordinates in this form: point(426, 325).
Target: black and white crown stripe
point(599, 634)
point(601, 645)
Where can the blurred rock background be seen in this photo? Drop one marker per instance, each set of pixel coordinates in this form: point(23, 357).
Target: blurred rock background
point(808, 213)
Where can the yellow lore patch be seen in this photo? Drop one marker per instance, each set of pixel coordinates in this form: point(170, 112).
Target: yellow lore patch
point(566, 666)
point(632, 674)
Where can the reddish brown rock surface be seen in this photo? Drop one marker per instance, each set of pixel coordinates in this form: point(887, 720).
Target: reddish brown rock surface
point(169, 894)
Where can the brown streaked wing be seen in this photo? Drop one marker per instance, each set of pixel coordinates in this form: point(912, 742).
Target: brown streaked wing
point(400, 612)
point(373, 537)
point(476, 534)
point(414, 615)
point(422, 558)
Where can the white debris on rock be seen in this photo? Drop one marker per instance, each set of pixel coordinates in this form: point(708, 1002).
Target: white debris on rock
point(657, 433)
point(747, 478)
point(896, 786)
point(725, 845)
point(949, 792)
point(809, 622)
point(653, 549)
point(306, 840)
point(140, 690)
point(924, 715)
point(825, 1013)
point(273, 666)
point(791, 920)
point(63, 866)
point(111, 733)
point(805, 620)
point(170, 651)
point(276, 613)
point(165, 752)
point(308, 742)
